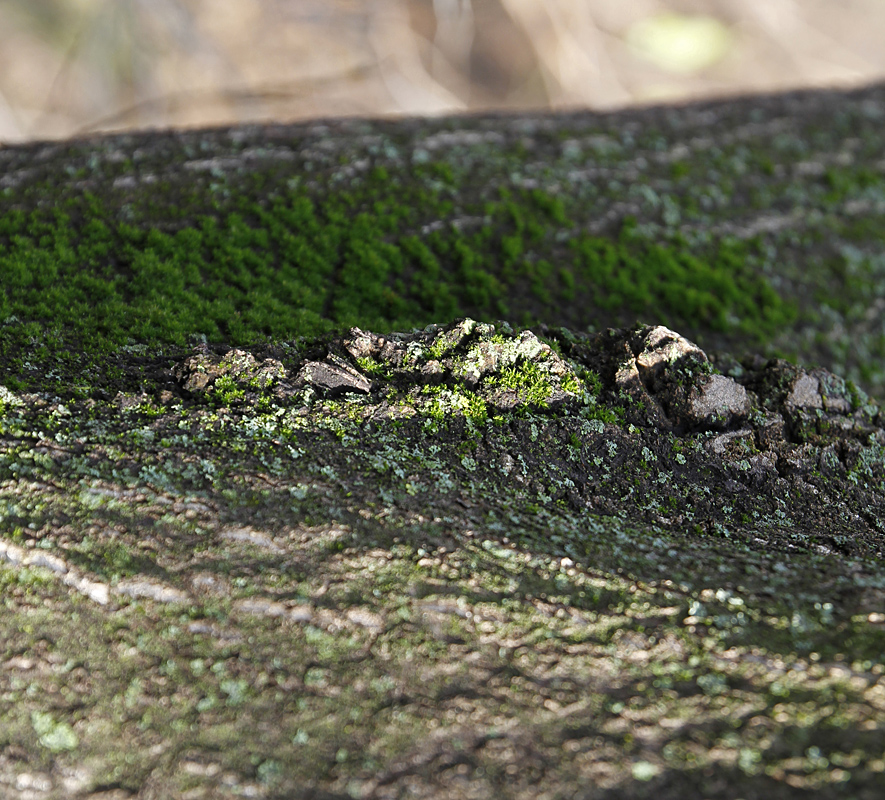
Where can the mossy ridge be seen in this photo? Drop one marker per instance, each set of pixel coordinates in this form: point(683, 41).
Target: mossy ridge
point(292, 266)
point(787, 199)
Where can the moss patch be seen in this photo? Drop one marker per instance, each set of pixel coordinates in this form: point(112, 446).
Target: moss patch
point(291, 265)
point(579, 220)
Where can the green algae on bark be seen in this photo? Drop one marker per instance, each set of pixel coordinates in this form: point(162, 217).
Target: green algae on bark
point(551, 571)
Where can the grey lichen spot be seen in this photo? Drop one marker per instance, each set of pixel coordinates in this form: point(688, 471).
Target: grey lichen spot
point(662, 350)
point(197, 372)
point(489, 355)
point(334, 376)
point(364, 344)
point(805, 394)
point(531, 347)
point(482, 360)
point(716, 401)
point(734, 444)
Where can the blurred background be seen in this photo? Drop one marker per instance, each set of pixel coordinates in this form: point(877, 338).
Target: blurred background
point(74, 67)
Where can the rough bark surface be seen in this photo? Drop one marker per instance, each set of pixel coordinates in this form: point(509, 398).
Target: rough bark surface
point(471, 559)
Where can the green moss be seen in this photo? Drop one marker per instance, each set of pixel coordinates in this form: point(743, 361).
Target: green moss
point(476, 411)
point(296, 264)
point(227, 391)
point(716, 290)
point(570, 383)
point(736, 241)
point(527, 379)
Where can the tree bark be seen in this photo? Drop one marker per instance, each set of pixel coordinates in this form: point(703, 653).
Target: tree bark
point(466, 559)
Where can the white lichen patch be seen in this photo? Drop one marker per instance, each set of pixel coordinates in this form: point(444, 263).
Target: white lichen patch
point(8, 399)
